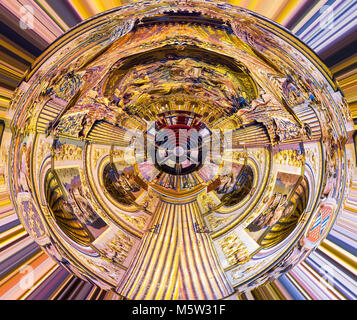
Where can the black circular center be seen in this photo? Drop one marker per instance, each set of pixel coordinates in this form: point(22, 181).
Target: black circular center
point(178, 150)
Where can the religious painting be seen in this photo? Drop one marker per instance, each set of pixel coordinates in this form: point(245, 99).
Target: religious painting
point(71, 181)
point(285, 182)
point(276, 205)
point(236, 185)
point(124, 185)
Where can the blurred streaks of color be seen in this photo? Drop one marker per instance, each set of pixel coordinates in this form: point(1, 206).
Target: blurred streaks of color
point(327, 26)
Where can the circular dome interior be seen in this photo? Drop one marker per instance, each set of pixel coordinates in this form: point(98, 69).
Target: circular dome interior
point(166, 150)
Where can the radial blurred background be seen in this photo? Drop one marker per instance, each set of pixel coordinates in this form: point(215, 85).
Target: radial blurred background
point(327, 26)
